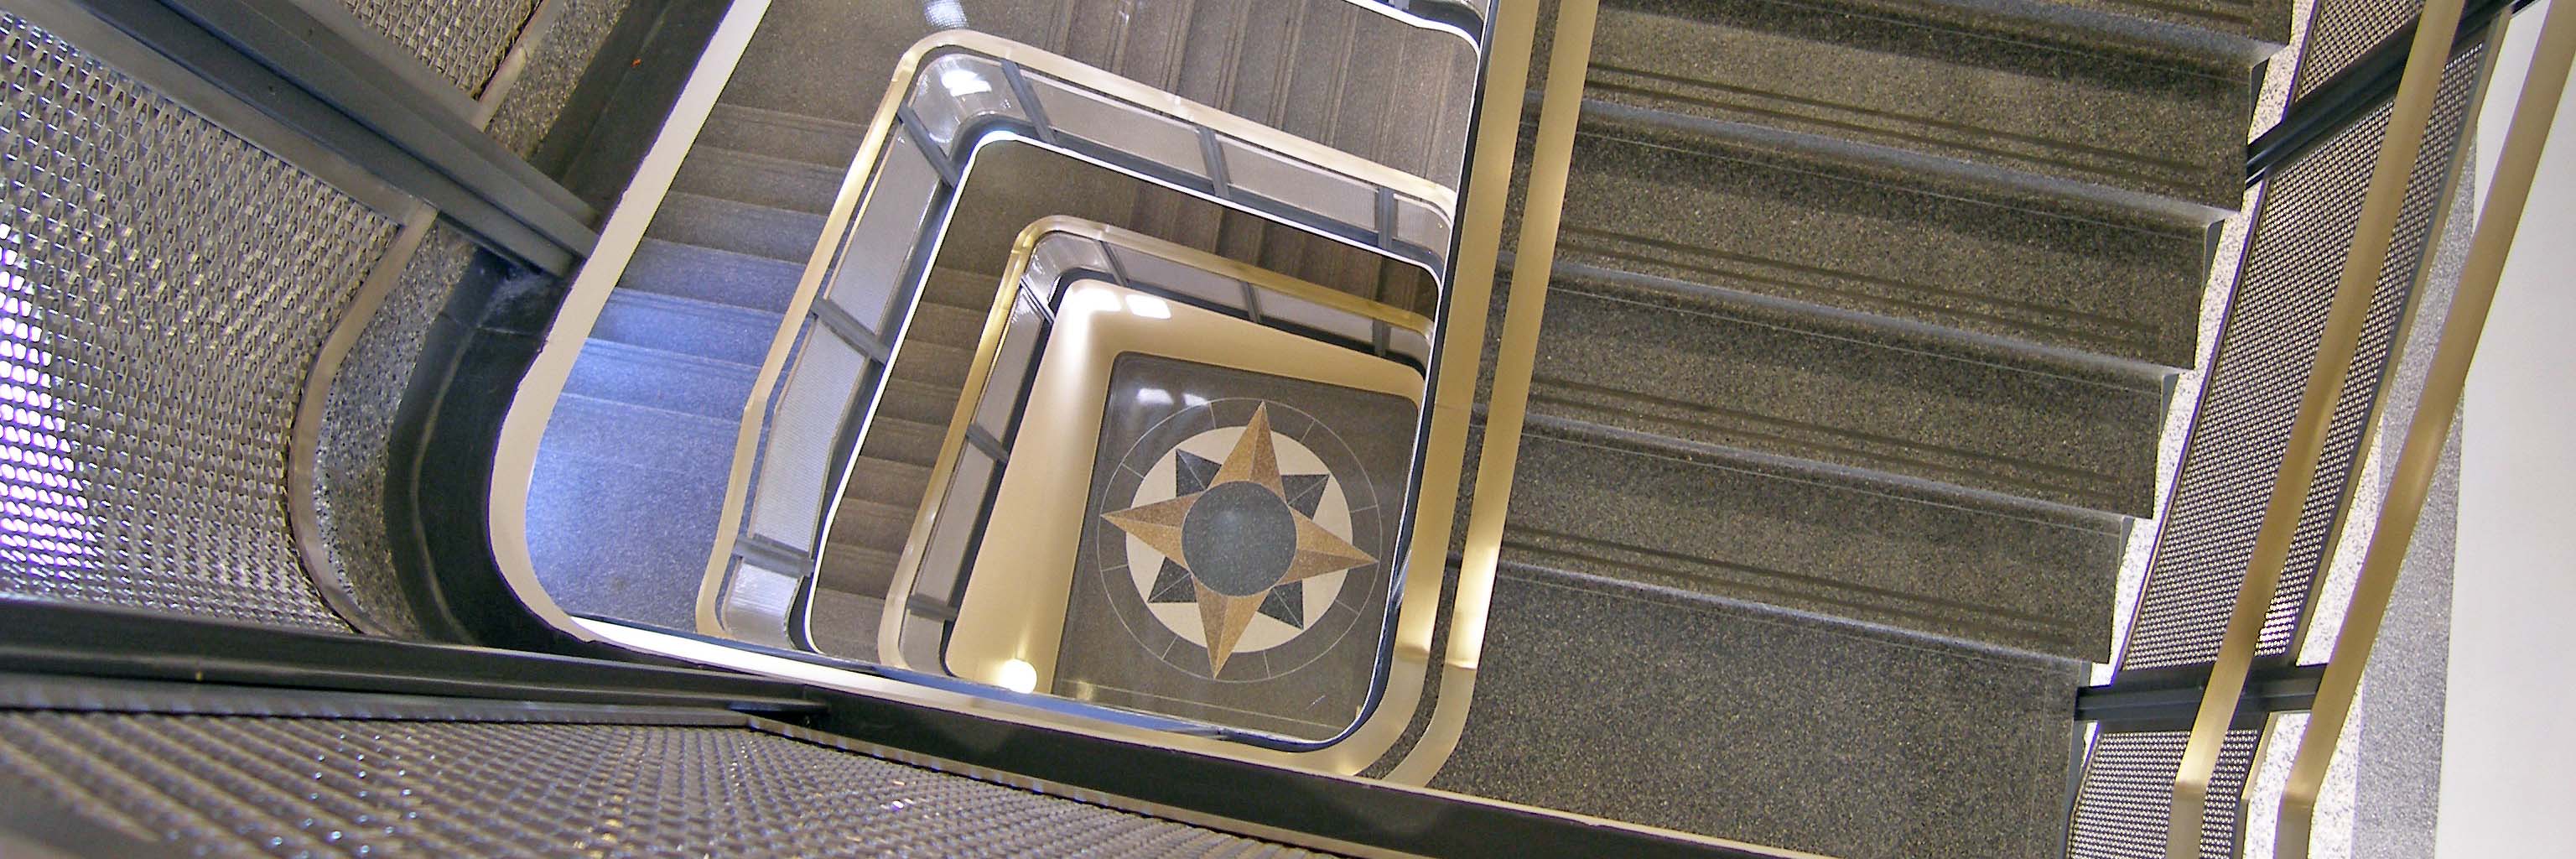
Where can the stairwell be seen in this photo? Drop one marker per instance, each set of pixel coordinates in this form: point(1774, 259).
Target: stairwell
point(624, 504)
point(1850, 383)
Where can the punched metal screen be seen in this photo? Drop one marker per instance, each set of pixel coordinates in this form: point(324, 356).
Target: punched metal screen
point(2340, 31)
point(462, 40)
point(2127, 803)
point(2266, 352)
point(248, 786)
point(164, 286)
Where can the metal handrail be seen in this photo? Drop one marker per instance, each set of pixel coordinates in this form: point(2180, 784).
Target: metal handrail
point(2429, 431)
point(2375, 231)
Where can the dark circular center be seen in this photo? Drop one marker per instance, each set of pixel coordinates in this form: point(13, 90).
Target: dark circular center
point(1239, 538)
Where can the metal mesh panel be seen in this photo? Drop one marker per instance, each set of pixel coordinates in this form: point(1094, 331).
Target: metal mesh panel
point(232, 786)
point(462, 40)
point(2127, 800)
point(2342, 31)
point(2266, 352)
point(165, 287)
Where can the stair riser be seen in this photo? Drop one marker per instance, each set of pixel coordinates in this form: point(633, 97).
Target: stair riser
point(817, 142)
point(2066, 110)
point(706, 274)
point(690, 328)
point(1733, 379)
point(777, 234)
point(1727, 218)
point(783, 185)
point(672, 383)
point(1805, 541)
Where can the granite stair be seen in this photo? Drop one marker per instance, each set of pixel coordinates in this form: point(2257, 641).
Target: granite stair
point(1847, 396)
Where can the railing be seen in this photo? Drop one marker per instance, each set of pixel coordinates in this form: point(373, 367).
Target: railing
point(2250, 668)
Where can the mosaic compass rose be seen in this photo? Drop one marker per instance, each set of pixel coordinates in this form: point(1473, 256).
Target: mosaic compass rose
point(1236, 537)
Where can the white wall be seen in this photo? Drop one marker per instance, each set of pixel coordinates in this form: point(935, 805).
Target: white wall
point(2509, 747)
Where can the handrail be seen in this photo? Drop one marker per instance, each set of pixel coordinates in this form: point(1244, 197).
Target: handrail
point(2373, 234)
point(2356, 90)
point(2429, 431)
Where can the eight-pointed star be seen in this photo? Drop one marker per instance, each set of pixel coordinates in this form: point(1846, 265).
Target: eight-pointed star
point(1239, 539)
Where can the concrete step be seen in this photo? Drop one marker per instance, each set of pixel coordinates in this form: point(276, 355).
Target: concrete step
point(1795, 218)
point(1731, 524)
point(623, 506)
point(905, 441)
point(874, 522)
point(707, 274)
point(887, 482)
point(916, 401)
point(948, 324)
point(1681, 361)
point(2068, 107)
point(732, 225)
point(670, 381)
point(1647, 705)
point(778, 134)
point(781, 183)
point(844, 624)
point(934, 363)
point(723, 332)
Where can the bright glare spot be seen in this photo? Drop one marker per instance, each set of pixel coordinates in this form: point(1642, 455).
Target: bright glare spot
point(1017, 676)
point(1149, 307)
point(1093, 300)
point(963, 82)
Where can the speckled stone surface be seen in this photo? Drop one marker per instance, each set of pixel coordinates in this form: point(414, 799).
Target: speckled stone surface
point(1751, 212)
point(2068, 108)
point(1684, 363)
point(1646, 706)
point(1781, 532)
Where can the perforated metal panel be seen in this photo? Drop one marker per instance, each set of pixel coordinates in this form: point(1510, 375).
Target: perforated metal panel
point(2266, 353)
point(463, 40)
point(2127, 801)
point(230, 786)
point(2340, 31)
point(165, 287)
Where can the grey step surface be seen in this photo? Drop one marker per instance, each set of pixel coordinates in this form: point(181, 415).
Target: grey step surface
point(844, 624)
point(781, 135)
point(2070, 107)
point(760, 179)
point(1677, 360)
point(623, 507)
point(1784, 216)
point(732, 225)
point(1752, 725)
point(1781, 532)
point(670, 381)
point(707, 274)
point(706, 329)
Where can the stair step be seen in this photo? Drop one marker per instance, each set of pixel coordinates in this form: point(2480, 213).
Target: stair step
point(886, 479)
point(733, 225)
point(669, 381)
point(1764, 727)
point(624, 539)
point(871, 523)
point(765, 180)
point(778, 134)
point(962, 290)
point(1762, 216)
point(1674, 363)
point(905, 441)
point(722, 332)
point(627, 432)
point(946, 324)
point(917, 401)
point(2068, 108)
point(1789, 533)
point(934, 363)
point(708, 274)
point(844, 624)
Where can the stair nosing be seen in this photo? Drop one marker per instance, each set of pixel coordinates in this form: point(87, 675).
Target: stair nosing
point(1908, 488)
point(647, 352)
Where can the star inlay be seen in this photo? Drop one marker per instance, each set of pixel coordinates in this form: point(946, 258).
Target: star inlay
point(1238, 538)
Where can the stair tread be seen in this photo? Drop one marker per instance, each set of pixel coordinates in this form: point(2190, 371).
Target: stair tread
point(707, 329)
point(766, 180)
point(734, 225)
point(711, 274)
point(671, 381)
point(1916, 80)
point(1760, 726)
